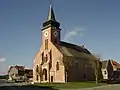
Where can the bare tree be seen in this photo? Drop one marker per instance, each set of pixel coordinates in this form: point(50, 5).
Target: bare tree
point(97, 67)
point(66, 63)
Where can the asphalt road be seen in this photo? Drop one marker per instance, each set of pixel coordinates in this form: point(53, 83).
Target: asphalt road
point(4, 85)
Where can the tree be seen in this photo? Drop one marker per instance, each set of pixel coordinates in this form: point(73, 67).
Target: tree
point(97, 67)
point(66, 64)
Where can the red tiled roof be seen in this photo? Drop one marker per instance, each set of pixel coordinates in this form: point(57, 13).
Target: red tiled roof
point(115, 64)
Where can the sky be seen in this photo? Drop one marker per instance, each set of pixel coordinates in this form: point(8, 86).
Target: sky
point(93, 23)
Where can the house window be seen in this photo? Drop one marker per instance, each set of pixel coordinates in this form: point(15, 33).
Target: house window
point(90, 65)
point(84, 76)
point(57, 66)
point(118, 68)
point(46, 43)
point(77, 64)
point(105, 72)
point(50, 55)
point(21, 73)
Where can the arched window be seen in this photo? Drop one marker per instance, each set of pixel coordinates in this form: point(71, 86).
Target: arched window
point(46, 58)
point(43, 57)
point(37, 68)
point(46, 44)
point(36, 77)
point(45, 74)
point(50, 63)
point(50, 53)
point(57, 66)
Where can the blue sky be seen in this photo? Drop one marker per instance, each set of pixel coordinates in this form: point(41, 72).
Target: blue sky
point(94, 23)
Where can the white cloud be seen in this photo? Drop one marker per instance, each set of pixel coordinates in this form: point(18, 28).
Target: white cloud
point(2, 59)
point(75, 32)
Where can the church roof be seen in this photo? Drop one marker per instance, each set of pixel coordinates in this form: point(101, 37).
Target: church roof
point(69, 49)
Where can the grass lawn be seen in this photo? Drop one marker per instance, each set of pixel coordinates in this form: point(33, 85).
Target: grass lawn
point(70, 85)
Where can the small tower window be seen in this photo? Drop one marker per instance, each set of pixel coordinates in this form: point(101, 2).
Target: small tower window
point(57, 66)
point(46, 43)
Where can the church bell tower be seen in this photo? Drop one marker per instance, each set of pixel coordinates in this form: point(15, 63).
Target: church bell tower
point(51, 30)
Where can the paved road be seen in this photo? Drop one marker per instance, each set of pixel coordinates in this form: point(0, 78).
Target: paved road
point(4, 85)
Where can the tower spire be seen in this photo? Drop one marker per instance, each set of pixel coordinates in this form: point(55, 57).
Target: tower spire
point(51, 20)
point(51, 15)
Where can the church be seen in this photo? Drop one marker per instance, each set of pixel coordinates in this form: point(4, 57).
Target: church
point(59, 61)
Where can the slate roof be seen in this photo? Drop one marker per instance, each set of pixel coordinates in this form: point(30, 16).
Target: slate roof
point(69, 49)
point(104, 64)
point(20, 68)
